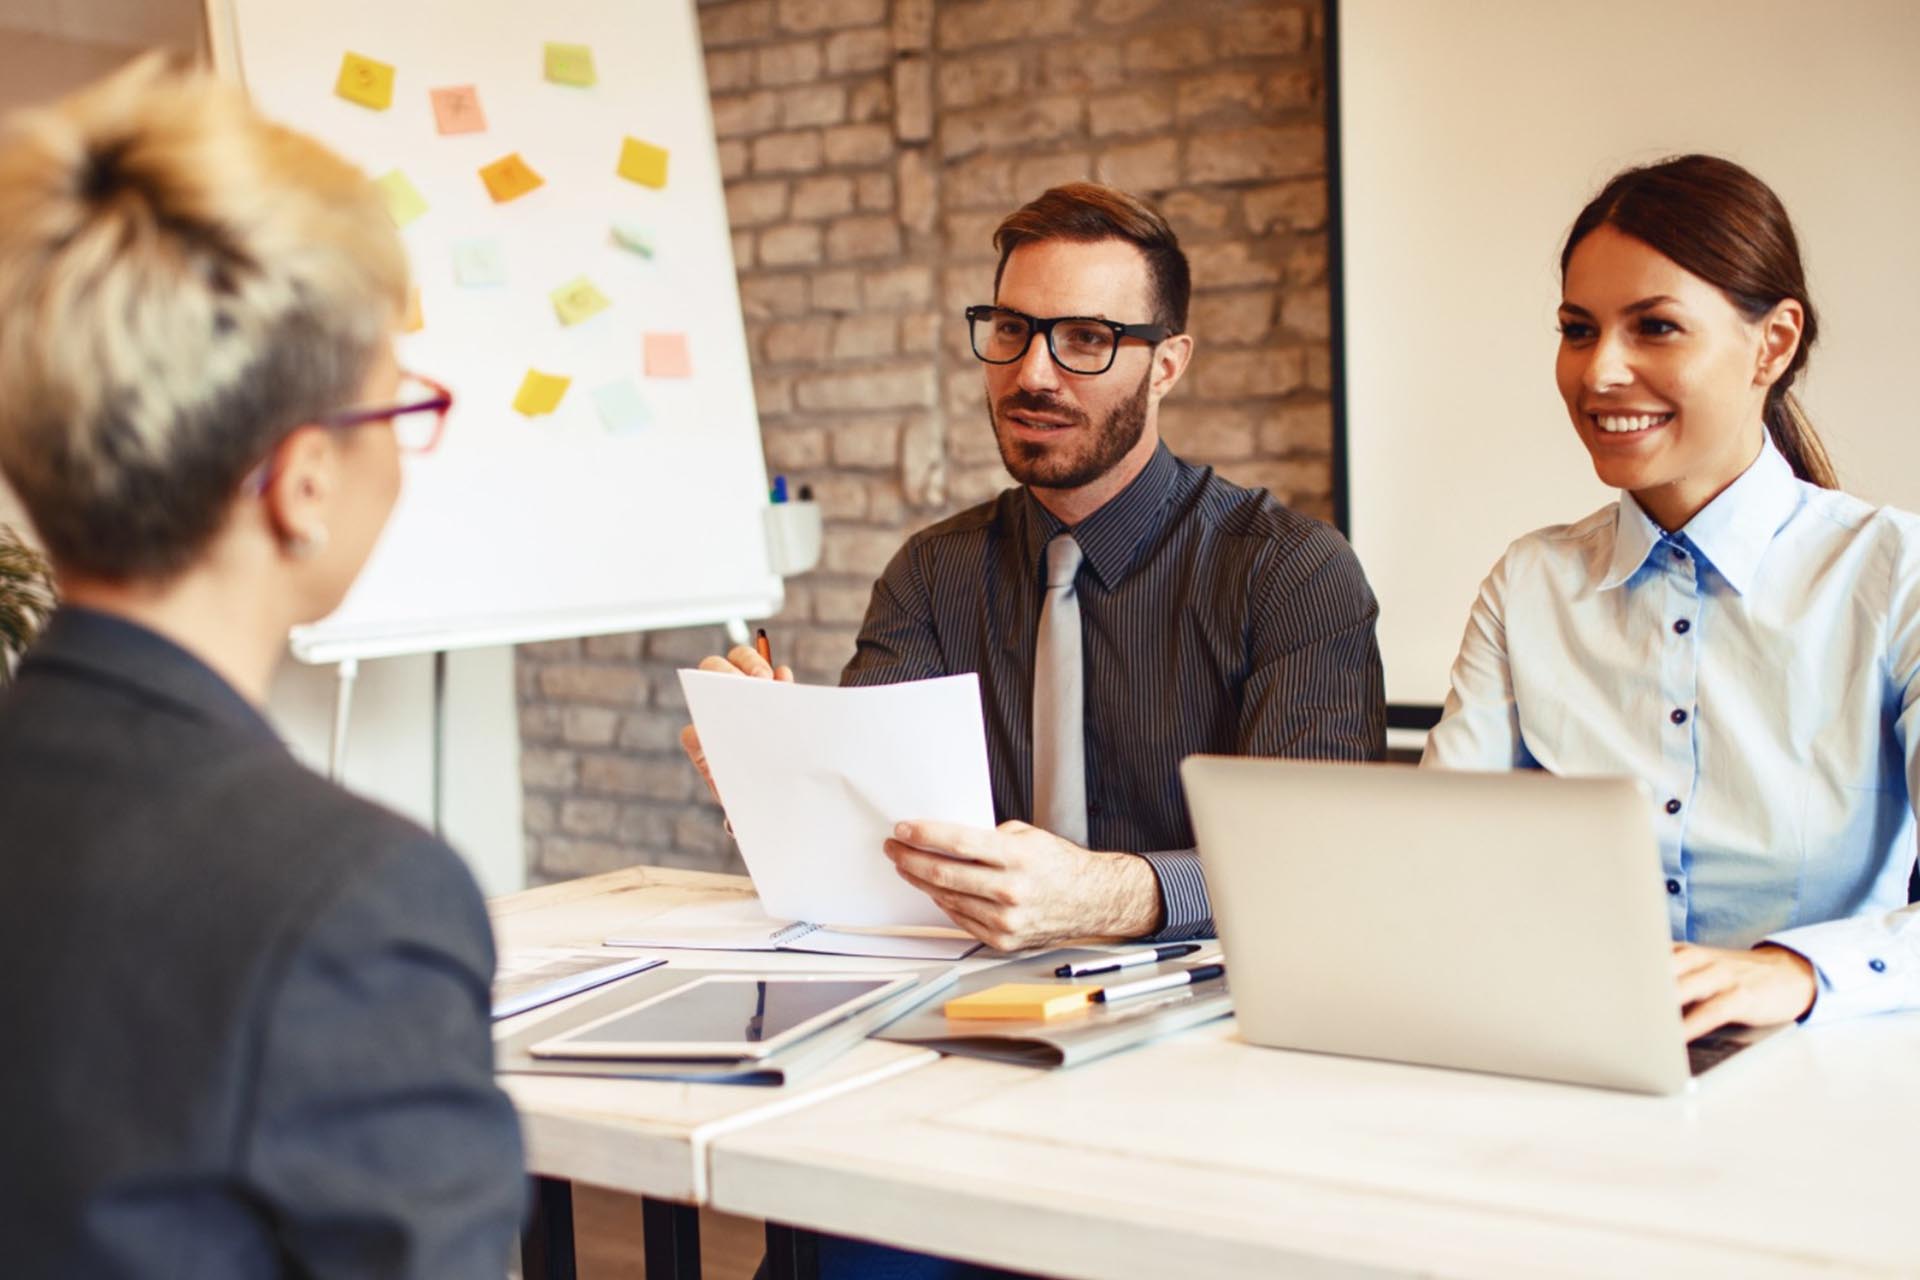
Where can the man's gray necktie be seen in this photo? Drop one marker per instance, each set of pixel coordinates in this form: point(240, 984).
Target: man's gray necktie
point(1059, 746)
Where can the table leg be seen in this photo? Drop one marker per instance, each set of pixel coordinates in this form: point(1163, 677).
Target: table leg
point(546, 1247)
point(793, 1253)
point(672, 1239)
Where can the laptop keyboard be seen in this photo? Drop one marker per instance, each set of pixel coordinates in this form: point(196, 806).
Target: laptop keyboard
point(1711, 1051)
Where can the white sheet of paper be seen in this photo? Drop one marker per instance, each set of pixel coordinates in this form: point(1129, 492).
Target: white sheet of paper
point(743, 925)
point(815, 777)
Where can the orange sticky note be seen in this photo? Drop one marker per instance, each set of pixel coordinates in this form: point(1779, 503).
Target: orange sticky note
point(1021, 1000)
point(366, 81)
point(416, 319)
point(667, 356)
point(404, 201)
point(642, 162)
point(457, 110)
point(540, 393)
point(509, 178)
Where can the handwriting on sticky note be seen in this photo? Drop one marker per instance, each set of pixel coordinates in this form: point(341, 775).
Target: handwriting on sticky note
point(667, 355)
point(478, 264)
point(570, 64)
point(621, 406)
point(457, 110)
point(509, 178)
point(642, 162)
point(578, 300)
point(540, 393)
point(404, 201)
point(366, 81)
point(634, 236)
point(416, 319)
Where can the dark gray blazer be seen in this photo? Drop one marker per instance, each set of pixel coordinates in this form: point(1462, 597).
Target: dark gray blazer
point(243, 1014)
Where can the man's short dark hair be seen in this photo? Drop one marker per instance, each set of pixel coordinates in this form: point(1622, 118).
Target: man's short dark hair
point(1087, 211)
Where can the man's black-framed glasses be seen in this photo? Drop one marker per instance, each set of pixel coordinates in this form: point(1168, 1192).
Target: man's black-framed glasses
point(1078, 344)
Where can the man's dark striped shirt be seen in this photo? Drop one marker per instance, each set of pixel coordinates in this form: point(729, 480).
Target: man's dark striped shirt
point(1213, 620)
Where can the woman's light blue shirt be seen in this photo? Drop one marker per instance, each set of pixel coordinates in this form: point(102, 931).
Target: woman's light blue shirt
point(1759, 670)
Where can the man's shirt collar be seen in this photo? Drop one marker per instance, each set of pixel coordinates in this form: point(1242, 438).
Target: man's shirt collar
point(1114, 536)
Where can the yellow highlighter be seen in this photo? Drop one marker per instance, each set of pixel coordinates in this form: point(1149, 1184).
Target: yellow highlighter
point(1012, 1001)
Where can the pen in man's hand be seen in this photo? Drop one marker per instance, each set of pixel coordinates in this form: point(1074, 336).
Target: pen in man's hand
point(763, 646)
point(1161, 982)
point(1122, 959)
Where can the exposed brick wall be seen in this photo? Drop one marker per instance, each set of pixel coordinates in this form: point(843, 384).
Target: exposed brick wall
point(869, 148)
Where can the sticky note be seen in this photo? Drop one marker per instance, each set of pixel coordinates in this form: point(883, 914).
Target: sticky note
point(540, 393)
point(366, 81)
point(509, 178)
point(621, 406)
point(633, 235)
point(667, 356)
point(457, 110)
point(479, 263)
point(642, 162)
point(570, 64)
point(415, 319)
point(578, 300)
point(404, 201)
point(1018, 1000)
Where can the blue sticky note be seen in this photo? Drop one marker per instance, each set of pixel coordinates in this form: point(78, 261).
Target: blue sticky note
point(479, 263)
point(621, 406)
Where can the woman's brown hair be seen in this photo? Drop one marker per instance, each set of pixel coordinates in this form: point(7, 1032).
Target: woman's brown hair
point(1721, 223)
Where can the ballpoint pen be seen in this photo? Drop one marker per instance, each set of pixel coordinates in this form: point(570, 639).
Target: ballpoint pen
point(1160, 982)
point(1122, 959)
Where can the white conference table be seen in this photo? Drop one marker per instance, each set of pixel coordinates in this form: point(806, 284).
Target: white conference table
point(1201, 1155)
point(647, 1138)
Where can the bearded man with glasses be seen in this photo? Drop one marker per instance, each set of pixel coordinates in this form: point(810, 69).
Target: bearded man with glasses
point(1123, 608)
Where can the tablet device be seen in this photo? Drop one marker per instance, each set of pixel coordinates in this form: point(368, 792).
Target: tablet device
point(729, 1015)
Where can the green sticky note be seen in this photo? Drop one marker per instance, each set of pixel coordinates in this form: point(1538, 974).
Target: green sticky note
point(578, 300)
point(478, 264)
point(404, 201)
point(570, 64)
point(633, 235)
point(621, 406)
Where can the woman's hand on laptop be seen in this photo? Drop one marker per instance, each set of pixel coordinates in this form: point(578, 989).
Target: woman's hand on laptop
point(1759, 988)
point(741, 660)
point(1016, 886)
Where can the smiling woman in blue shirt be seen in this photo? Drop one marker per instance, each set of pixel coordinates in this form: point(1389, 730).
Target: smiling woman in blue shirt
point(1734, 631)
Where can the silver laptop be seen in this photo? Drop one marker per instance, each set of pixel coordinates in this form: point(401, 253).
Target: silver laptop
point(1505, 922)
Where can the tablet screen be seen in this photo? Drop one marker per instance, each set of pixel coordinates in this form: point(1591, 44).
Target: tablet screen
point(710, 1011)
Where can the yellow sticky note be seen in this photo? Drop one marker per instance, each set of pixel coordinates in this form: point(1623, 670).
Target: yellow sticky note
point(457, 110)
point(578, 300)
point(666, 355)
point(404, 201)
point(570, 64)
point(509, 178)
point(642, 162)
point(1021, 1000)
point(415, 319)
point(366, 81)
point(540, 393)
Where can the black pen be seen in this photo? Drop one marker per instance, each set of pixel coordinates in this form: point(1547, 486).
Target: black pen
point(1160, 982)
point(1121, 959)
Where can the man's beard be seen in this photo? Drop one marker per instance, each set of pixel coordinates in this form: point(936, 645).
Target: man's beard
point(1057, 466)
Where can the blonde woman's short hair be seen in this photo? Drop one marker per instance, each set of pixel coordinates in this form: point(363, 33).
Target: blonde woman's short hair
point(182, 282)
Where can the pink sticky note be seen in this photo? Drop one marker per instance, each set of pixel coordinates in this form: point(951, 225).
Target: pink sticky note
point(456, 109)
point(667, 356)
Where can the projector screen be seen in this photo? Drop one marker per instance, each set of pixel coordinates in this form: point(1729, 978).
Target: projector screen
point(1467, 135)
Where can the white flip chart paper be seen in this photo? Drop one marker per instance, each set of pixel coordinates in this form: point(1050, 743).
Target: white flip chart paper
point(814, 778)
